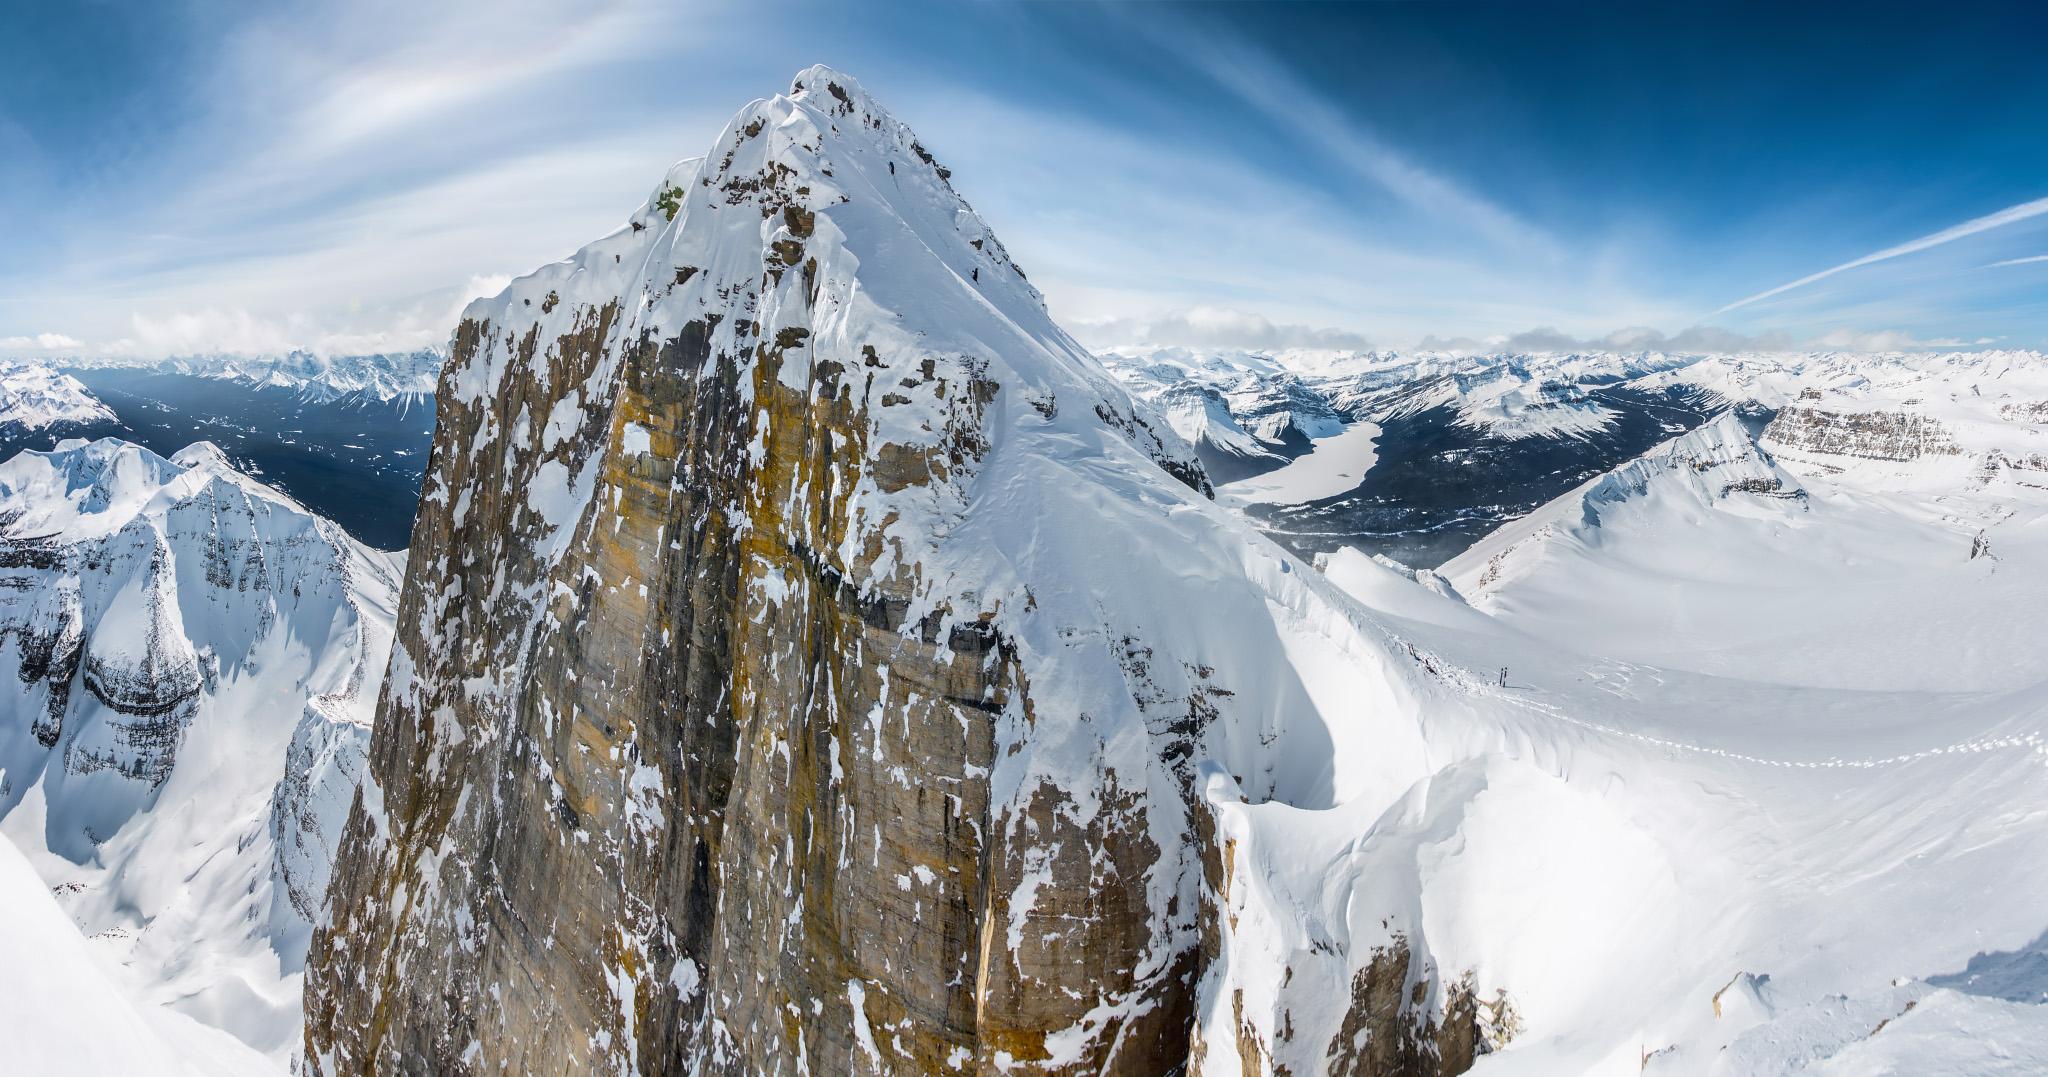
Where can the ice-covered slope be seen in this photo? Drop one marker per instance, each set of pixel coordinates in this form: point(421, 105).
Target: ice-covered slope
point(35, 397)
point(808, 663)
point(193, 654)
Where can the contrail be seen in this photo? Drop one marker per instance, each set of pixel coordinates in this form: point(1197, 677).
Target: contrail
point(2020, 261)
point(2003, 217)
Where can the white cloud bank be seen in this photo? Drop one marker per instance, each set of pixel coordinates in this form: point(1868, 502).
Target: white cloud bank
point(1214, 327)
point(40, 342)
point(1703, 339)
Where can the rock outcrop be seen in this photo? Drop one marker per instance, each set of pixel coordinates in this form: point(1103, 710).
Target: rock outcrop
point(1867, 435)
point(790, 676)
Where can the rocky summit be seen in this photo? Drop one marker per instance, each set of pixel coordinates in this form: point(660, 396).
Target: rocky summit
point(786, 678)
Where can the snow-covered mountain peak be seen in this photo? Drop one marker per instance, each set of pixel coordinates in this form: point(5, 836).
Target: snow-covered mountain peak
point(202, 454)
point(177, 630)
point(86, 489)
point(80, 488)
point(34, 396)
point(853, 263)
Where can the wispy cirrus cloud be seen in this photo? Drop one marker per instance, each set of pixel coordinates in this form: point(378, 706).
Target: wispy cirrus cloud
point(1312, 116)
point(2010, 215)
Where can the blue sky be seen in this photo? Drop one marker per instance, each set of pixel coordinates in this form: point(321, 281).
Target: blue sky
point(203, 175)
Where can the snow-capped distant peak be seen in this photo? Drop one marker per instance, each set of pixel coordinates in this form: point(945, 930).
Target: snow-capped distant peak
point(36, 397)
point(319, 378)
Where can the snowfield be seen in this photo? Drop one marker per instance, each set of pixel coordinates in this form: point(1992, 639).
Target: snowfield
point(66, 1013)
point(1768, 782)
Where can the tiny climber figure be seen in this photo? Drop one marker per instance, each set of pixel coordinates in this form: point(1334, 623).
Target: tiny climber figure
point(1503, 676)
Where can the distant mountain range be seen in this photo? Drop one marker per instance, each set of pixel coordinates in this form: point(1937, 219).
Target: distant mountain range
point(323, 378)
point(346, 435)
point(36, 397)
point(1456, 445)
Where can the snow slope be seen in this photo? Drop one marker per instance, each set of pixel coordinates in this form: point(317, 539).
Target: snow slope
point(65, 1014)
point(196, 654)
point(1764, 793)
point(1806, 558)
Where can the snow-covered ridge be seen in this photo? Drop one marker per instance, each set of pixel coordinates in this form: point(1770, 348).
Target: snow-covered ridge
point(1716, 461)
point(320, 378)
point(34, 396)
point(182, 634)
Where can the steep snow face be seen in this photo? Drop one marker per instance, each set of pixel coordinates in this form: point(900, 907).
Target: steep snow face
point(181, 635)
point(1688, 474)
point(1201, 416)
point(36, 397)
point(809, 659)
point(319, 378)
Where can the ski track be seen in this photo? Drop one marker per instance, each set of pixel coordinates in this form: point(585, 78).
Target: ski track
point(2030, 742)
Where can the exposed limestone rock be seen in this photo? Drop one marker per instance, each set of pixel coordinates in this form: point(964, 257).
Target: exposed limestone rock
point(763, 700)
point(1874, 435)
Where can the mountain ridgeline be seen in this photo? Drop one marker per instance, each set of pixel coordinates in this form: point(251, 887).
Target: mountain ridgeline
point(786, 678)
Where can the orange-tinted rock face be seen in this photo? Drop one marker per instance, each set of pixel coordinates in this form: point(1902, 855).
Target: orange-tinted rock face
point(685, 762)
point(778, 687)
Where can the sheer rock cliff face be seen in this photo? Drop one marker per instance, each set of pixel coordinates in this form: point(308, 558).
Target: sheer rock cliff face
point(686, 756)
point(780, 683)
